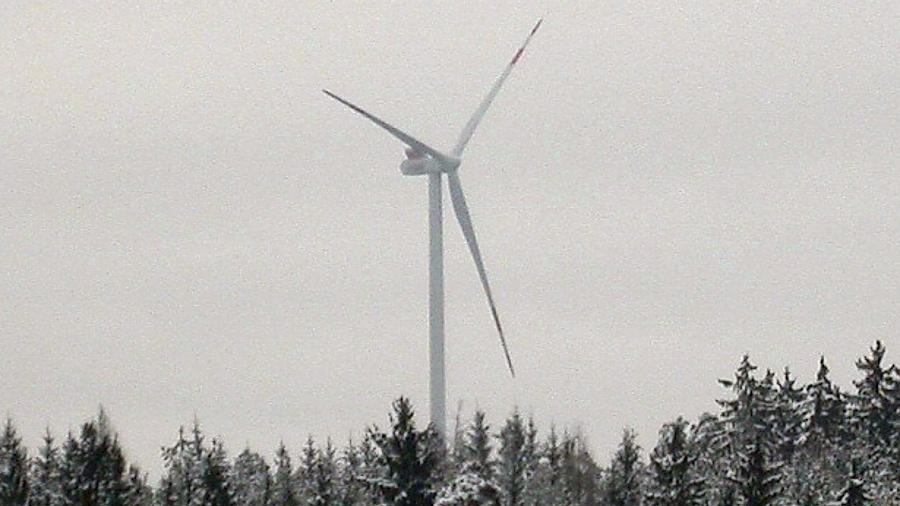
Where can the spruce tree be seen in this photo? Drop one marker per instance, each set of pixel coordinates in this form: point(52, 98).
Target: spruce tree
point(408, 459)
point(513, 462)
point(547, 487)
point(197, 472)
point(532, 453)
point(93, 468)
point(284, 492)
point(350, 474)
point(823, 410)
point(622, 486)
point(251, 479)
point(875, 409)
point(217, 489)
point(371, 469)
point(13, 467)
point(475, 482)
point(137, 492)
point(787, 416)
point(854, 493)
point(710, 448)
point(756, 479)
point(324, 478)
point(672, 478)
point(44, 475)
point(580, 473)
point(740, 417)
point(305, 475)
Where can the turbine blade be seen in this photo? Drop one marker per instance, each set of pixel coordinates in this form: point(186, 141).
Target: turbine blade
point(465, 223)
point(469, 129)
point(404, 137)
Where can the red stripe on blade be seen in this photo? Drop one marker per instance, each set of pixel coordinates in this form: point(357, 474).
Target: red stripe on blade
point(516, 57)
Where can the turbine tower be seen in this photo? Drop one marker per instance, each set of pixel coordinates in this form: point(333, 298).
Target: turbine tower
point(422, 159)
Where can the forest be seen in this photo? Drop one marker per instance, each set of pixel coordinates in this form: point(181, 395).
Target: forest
point(773, 441)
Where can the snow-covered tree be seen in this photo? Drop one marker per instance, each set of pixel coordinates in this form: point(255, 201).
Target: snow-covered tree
point(756, 478)
point(823, 410)
point(475, 483)
point(877, 401)
point(324, 478)
point(93, 468)
point(305, 475)
point(547, 486)
point(217, 486)
point(137, 492)
point(787, 417)
point(44, 475)
point(581, 475)
point(408, 459)
point(13, 467)
point(197, 472)
point(284, 492)
point(350, 476)
point(514, 461)
point(672, 479)
point(854, 493)
point(749, 413)
point(622, 484)
point(251, 479)
point(371, 468)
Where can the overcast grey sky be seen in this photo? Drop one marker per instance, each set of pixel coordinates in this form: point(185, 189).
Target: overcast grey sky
point(190, 227)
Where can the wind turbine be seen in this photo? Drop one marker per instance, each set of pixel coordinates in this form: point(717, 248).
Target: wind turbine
point(422, 159)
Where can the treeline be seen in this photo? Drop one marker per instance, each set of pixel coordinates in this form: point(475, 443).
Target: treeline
point(773, 442)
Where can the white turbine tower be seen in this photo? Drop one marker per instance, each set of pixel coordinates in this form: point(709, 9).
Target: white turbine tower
point(421, 160)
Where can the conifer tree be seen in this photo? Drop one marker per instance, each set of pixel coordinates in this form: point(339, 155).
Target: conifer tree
point(68, 470)
point(756, 478)
point(350, 476)
point(251, 479)
point(713, 453)
point(787, 416)
point(533, 456)
point(579, 471)
point(284, 492)
point(408, 459)
point(197, 472)
point(215, 472)
point(371, 469)
point(44, 475)
point(875, 410)
point(137, 492)
point(740, 417)
point(672, 479)
point(513, 461)
point(324, 478)
point(622, 486)
point(13, 467)
point(547, 485)
point(93, 468)
point(475, 483)
point(305, 475)
point(457, 456)
point(478, 449)
point(823, 410)
point(854, 493)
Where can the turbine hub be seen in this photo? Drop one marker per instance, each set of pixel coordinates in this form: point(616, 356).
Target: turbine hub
point(450, 164)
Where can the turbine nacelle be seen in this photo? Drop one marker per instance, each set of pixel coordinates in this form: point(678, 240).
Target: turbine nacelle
point(419, 164)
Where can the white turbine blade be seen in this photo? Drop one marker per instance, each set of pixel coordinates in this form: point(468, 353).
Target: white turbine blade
point(404, 137)
point(469, 129)
point(465, 223)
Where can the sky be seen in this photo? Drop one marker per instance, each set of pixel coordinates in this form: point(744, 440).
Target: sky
point(190, 228)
